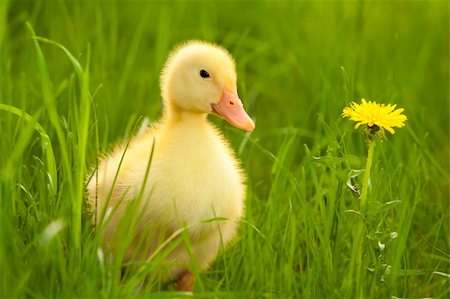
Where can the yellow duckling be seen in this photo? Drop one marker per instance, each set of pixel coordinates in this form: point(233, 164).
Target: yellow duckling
point(193, 175)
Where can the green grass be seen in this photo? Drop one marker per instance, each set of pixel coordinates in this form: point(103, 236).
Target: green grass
point(92, 73)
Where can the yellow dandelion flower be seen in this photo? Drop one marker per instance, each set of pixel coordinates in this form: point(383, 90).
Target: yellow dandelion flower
point(374, 114)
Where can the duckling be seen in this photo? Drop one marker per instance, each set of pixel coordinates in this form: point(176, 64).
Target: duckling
point(182, 169)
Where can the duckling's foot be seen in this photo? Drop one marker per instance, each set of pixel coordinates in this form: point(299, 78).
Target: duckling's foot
point(186, 282)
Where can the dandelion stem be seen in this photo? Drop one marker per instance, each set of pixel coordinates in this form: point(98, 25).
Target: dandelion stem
point(357, 265)
point(366, 179)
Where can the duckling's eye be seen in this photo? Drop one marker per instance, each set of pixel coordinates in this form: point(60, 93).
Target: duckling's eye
point(204, 74)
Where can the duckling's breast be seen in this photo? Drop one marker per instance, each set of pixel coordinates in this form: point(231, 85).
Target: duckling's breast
point(194, 178)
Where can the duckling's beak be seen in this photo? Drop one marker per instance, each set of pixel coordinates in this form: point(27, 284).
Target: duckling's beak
point(231, 109)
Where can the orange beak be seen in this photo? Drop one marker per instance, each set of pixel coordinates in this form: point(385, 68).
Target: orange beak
point(231, 109)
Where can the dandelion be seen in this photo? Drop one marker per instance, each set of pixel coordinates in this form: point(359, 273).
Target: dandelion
point(377, 118)
point(375, 115)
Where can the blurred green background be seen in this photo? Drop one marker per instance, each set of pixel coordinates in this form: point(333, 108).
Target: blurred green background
point(296, 59)
point(299, 64)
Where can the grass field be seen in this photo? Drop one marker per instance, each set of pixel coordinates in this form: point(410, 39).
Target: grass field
point(93, 75)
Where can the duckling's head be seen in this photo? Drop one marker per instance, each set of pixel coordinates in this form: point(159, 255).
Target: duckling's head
point(200, 77)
